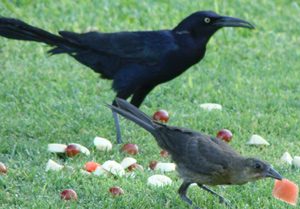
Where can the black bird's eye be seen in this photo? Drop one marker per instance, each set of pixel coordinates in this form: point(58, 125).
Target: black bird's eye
point(258, 166)
point(207, 20)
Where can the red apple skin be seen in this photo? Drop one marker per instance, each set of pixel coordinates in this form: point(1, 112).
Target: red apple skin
point(225, 135)
point(116, 191)
point(68, 194)
point(164, 153)
point(131, 149)
point(162, 116)
point(72, 150)
point(132, 167)
point(152, 164)
point(3, 169)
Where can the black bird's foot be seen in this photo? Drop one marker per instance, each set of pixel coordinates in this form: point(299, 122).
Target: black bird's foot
point(226, 202)
point(118, 129)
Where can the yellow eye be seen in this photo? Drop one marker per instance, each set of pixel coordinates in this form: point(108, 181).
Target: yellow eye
point(207, 20)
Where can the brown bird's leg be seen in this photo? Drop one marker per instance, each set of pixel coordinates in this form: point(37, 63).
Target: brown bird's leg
point(221, 199)
point(182, 192)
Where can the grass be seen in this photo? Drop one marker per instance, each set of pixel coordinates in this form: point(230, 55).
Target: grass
point(253, 74)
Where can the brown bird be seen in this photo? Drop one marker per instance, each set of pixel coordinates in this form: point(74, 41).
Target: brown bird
point(200, 159)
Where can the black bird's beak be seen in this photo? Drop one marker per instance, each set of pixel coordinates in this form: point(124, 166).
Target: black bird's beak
point(271, 172)
point(232, 22)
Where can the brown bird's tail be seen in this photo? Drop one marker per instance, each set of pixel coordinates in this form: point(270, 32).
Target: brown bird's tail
point(132, 113)
point(19, 30)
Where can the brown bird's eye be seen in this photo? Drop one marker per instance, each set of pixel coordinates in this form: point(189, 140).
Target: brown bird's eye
point(207, 20)
point(258, 166)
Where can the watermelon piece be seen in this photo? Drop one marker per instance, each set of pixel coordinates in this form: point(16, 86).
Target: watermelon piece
point(91, 166)
point(286, 191)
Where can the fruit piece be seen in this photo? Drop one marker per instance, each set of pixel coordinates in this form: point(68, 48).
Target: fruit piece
point(100, 171)
point(286, 157)
point(72, 150)
point(225, 135)
point(3, 169)
point(113, 167)
point(91, 166)
point(102, 144)
point(82, 148)
point(257, 140)
point(165, 167)
point(164, 153)
point(128, 161)
point(161, 115)
point(53, 166)
point(159, 180)
point(84, 172)
point(296, 161)
point(130, 149)
point(57, 148)
point(286, 191)
point(211, 106)
point(68, 194)
point(116, 191)
point(152, 164)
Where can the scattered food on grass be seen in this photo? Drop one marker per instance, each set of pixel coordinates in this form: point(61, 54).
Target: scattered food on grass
point(287, 158)
point(159, 180)
point(225, 135)
point(131, 149)
point(211, 106)
point(116, 191)
point(161, 115)
point(68, 194)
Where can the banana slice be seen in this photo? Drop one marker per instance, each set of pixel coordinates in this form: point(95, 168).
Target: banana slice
point(128, 161)
point(159, 180)
point(211, 106)
point(165, 167)
point(57, 148)
point(257, 140)
point(114, 168)
point(102, 144)
point(286, 157)
point(53, 166)
point(296, 161)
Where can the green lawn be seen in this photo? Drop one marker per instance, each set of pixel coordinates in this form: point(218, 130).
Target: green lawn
point(253, 74)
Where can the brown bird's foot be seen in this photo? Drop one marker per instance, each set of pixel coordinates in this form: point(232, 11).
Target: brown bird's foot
point(182, 192)
point(118, 129)
point(222, 200)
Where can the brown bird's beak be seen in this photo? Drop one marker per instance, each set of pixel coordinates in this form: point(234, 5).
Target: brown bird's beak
point(273, 174)
point(226, 21)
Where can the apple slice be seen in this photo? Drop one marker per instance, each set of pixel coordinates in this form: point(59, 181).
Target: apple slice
point(127, 162)
point(3, 169)
point(114, 168)
point(257, 140)
point(72, 150)
point(57, 148)
point(102, 144)
point(287, 158)
point(131, 149)
point(161, 115)
point(211, 106)
point(82, 148)
point(159, 180)
point(286, 191)
point(164, 153)
point(296, 161)
point(53, 166)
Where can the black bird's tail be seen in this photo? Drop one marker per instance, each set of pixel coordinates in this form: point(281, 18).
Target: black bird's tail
point(17, 29)
point(132, 113)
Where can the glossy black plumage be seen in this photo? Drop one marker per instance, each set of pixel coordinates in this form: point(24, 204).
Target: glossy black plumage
point(135, 61)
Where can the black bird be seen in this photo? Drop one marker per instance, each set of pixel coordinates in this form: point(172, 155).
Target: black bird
point(200, 159)
point(135, 61)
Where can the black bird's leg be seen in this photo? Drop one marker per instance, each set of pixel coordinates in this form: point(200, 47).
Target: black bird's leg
point(221, 199)
point(140, 94)
point(182, 192)
point(117, 124)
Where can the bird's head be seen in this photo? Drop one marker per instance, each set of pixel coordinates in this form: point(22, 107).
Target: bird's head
point(252, 169)
point(206, 23)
